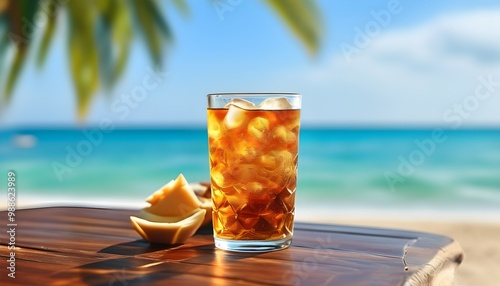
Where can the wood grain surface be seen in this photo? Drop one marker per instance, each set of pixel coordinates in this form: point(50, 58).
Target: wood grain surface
point(91, 246)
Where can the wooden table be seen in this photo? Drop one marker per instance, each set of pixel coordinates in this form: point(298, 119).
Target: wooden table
point(89, 246)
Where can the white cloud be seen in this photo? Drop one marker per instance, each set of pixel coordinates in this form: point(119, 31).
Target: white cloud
point(411, 75)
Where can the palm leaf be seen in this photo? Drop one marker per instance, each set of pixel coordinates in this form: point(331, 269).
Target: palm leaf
point(83, 53)
point(114, 33)
point(182, 7)
point(4, 44)
point(148, 25)
point(105, 42)
point(48, 33)
point(302, 16)
point(122, 36)
point(25, 10)
point(100, 32)
point(15, 69)
point(154, 12)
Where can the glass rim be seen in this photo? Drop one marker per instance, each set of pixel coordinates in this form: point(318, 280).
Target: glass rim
point(229, 94)
point(221, 100)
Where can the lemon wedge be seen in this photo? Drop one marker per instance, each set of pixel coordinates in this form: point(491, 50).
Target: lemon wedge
point(175, 213)
point(166, 231)
point(175, 199)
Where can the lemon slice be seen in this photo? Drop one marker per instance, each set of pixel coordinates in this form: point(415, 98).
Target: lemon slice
point(175, 199)
point(175, 213)
point(164, 230)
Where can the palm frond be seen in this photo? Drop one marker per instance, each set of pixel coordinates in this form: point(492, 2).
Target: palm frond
point(182, 7)
point(21, 30)
point(100, 33)
point(49, 30)
point(152, 27)
point(15, 70)
point(105, 51)
point(115, 34)
point(4, 44)
point(302, 16)
point(154, 11)
point(83, 54)
point(122, 36)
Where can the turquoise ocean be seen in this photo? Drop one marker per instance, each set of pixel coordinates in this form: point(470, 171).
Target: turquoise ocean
point(342, 172)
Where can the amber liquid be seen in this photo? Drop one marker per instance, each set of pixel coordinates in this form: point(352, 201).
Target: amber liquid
point(253, 169)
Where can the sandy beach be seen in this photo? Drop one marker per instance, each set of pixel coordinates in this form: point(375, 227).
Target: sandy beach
point(480, 242)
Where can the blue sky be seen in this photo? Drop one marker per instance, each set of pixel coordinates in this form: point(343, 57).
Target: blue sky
point(422, 67)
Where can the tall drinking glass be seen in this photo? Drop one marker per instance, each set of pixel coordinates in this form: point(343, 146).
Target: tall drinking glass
point(253, 147)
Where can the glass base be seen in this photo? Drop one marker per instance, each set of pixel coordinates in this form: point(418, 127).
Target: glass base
point(253, 245)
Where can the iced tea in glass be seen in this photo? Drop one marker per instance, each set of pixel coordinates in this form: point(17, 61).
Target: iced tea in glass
point(253, 149)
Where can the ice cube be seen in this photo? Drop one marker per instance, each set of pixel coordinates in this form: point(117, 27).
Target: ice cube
point(275, 103)
point(244, 173)
point(241, 103)
point(268, 162)
point(214, 129)
point(258, 127)
point(283, 135)
point(235, 117)
point(245, 153)
point(220, 176)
